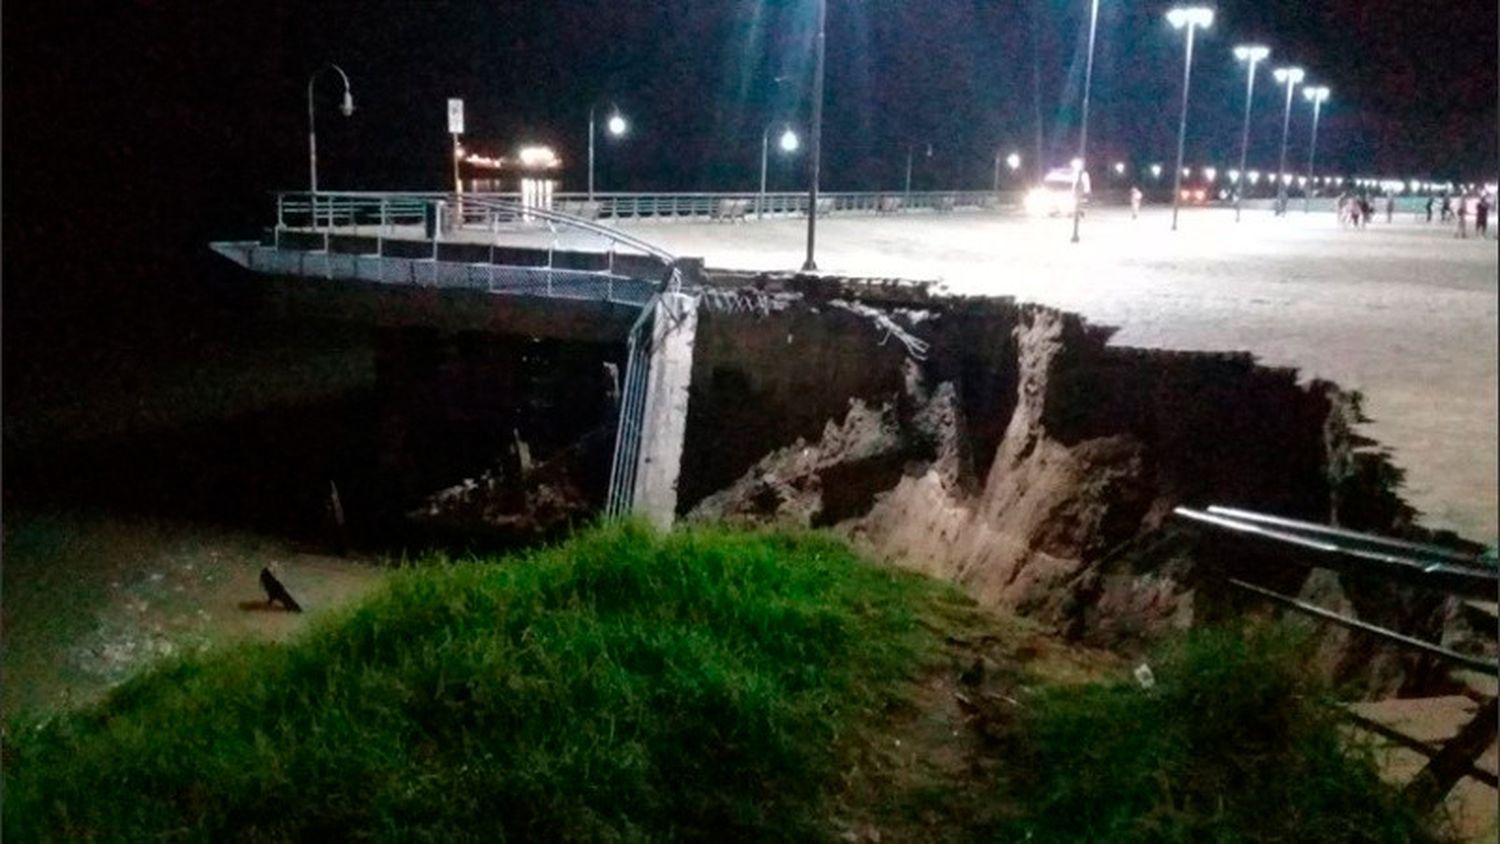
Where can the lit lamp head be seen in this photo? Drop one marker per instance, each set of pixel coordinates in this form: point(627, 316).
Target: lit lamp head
point(1252, 53)
point(789, 142)
point(1156, 171)
point(616, 124)
point(1076, 164)
point(1210, 173)
point(1234, 176)
point(1289, 75)
point(1013, 161)
point(1318, 95)
point(1119, 168)
point(347, 106)
point(1199, 16)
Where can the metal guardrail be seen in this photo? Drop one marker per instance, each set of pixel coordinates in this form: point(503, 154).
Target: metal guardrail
point(1443, 570)
point(372, 209)
point(626, 459)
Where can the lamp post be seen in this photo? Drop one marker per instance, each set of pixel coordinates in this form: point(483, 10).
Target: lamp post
point(615, 125)
point(346, 108)
point(1013, 161)
point(815, 153)
point(788, 143)
point(1189, 18)
point(1251, 55)
point(1083, 129)
point(910, 149)
point(1317, 96)
point(1291, 77)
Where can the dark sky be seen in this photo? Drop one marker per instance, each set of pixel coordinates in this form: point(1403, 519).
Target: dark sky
point(143, 129)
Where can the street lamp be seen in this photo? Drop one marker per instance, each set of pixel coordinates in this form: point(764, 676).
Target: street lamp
point(788, 142)
point(1013, 161)
point(1156, 171)
point(1291, 77)
point(910, 149)
point(1317, 96)
point(815, 154)
point(346, 108)
point(1190, 18)
point(1083, 128)
point(615, 125)
point(1119, 168)
point(1251, 55)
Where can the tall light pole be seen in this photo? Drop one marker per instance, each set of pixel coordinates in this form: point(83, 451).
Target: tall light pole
point(1013, 161)
point(1317, 96)
point(788, 143)
point(1291, 77)
point(616, 126)
point(1251, 55)
point(1083, 129)
point(347, 108)
point(816, 151)
point(910, 149)
point(1189, 18)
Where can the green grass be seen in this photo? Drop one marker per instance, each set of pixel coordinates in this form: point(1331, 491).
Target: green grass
point(1236, 742)
point(622, 686)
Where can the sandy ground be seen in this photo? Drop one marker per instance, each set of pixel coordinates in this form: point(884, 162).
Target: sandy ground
point(1403, 312)
point(91, 600)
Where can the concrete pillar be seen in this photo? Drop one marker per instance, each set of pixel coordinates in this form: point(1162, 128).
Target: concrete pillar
point(664, 419)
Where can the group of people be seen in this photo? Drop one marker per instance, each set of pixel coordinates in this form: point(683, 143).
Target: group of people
point(1356, 210)
point(1475, 204)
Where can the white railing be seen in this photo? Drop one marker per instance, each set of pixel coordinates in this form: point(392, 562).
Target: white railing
point(357, 210)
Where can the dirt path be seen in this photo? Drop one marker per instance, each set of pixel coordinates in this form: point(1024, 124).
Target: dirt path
point(90, 600)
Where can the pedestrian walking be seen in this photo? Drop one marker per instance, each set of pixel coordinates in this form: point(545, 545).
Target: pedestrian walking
point(1135, 201)
point(1390, 207)
point(1430, 202)
point(1447, 209)
point(1463, 217)
point(1482, 216)
point(1366, 210)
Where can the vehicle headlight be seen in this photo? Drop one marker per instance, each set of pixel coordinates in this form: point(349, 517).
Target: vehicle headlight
point(1037, 201)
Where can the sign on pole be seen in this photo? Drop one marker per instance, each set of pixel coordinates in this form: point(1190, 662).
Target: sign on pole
point(455, 116)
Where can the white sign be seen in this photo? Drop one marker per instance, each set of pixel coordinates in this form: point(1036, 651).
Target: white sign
point(455, 116)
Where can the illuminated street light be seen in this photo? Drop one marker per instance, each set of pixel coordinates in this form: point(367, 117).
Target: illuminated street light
point(1013, 161)
point(346, 108)
point(1156, 171)
point(1083, 129)
point(1291, 77)
point(1210, 173)
point(1119, 168)
point(1317, 96)
point(615, 125)
point(1189, 18)
point(1234, 177)
point(788, 142)
point(1251, 55)
point(1254, 177)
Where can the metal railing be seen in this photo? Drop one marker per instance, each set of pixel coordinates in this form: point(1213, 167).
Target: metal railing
point(1427, 566)
point(620, 497)
point(357, 210)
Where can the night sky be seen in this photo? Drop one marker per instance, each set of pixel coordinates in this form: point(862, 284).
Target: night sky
point(134, 132)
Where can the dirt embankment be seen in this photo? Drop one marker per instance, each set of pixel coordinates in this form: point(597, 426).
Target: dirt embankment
point(1009, 448)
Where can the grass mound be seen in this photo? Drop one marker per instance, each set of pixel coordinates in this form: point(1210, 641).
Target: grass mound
point(1235, 742)
point(621, 686)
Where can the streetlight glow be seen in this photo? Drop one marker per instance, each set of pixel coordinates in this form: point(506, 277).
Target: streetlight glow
point(1156, 171)
point(1251, 53)
point(1234, 176)
point(617, 125)
point(789, 141)
point(1199, 16)
point(1119, 168)
point(1013, 161)
point(1317, 95)
point(1076, 164)
point(1210, 173)
point(1254, 177)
